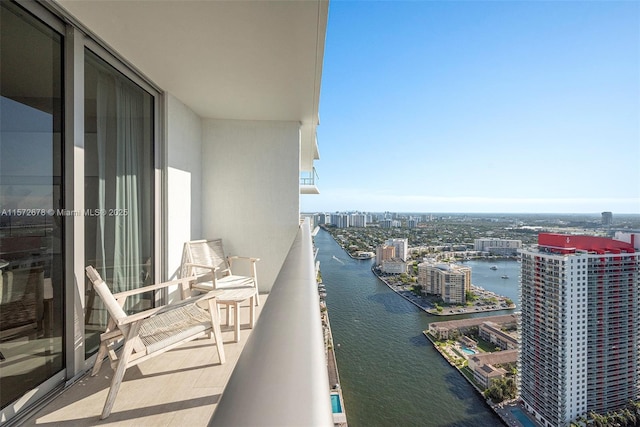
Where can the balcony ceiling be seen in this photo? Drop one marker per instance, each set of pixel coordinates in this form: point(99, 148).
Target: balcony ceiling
point(247, 60)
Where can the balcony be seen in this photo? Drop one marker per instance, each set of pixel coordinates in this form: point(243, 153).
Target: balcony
point(308, 182)
point(275, 375)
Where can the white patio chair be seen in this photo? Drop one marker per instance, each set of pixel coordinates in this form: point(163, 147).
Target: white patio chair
point(206, 260)
point(151, 332)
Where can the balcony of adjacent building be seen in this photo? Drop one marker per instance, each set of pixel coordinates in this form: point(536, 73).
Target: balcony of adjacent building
point(308, 182)
point(275, 375)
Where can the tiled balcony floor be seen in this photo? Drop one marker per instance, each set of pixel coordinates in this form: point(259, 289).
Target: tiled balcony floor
point(178, 388)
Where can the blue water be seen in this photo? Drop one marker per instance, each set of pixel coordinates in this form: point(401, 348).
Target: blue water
point(390, 373)
point(522, 417)
point(468, 350)
point(483, 276)
point(335, 404)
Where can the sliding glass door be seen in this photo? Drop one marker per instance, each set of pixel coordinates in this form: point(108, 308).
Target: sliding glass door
point(119, 189)
point(44, 244)
point(31, 189)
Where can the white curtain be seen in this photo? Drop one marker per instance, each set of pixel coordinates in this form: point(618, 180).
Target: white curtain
point(127, 260)
point(120, 133)
point(102, 108)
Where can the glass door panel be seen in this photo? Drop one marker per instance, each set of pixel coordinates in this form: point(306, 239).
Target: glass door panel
point(31, 220)
point(118, 189)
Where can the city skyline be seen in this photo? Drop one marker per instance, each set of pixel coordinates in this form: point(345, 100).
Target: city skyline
point(483, 107)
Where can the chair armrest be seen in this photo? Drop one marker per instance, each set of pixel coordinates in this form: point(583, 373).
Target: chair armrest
point(210, 267)
point(165, 308)
point(244, 257)
point(143, 289)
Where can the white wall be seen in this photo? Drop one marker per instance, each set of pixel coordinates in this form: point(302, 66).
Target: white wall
point(184, 180)
point(251, 190)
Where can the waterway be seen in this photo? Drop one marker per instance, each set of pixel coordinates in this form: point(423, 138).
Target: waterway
point(390, 373)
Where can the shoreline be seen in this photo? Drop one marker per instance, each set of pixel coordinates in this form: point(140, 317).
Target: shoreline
point(502, 410)
point(431, 310)
point(399, 292)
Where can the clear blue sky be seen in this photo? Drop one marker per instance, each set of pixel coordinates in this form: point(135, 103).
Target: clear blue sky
point(480, 106)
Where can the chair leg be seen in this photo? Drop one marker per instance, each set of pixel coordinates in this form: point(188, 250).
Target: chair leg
point(217, 333)
point(118, 375)
point(236, 321)
point(257, 298)
point(103, 350)
point(252, 311)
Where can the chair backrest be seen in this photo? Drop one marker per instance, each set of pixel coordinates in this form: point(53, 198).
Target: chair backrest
point(204, 252)
point(101, 288)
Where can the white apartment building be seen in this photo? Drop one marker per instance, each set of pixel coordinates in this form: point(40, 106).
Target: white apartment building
point(497, 246)
point(394, 266)
point(449, 281)
point(358, 220)
point(580, 326)
point(402, 247)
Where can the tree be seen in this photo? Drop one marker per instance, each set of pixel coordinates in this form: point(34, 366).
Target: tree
point(501, 389)
point(494, 393)
point(470, 296)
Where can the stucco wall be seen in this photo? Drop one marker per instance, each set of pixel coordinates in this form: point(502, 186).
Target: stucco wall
point(250, 189)
point(184, 180)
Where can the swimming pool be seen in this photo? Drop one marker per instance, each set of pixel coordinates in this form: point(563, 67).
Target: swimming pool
point(522, 417)
point(335, 404)
point(467, 350)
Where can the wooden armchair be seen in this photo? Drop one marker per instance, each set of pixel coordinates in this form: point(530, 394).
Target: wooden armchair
point(206, 260)
point(151, 332)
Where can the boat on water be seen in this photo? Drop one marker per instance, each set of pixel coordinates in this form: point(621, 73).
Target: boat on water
point(504, 276)
point(364, 255)
point(494, 267)
point(338, 259)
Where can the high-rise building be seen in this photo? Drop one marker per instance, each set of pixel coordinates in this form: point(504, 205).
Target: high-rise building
point(358, 220)
point(402, 247)
point(607, 218)
point(449, 281)
point(340, 220)
point(580, 326)
point(384, 253)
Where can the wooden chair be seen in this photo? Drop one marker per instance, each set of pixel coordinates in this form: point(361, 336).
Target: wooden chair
point(206, 260)
point(151, 332)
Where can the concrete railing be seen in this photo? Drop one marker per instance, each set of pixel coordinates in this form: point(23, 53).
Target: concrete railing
point(281, 376)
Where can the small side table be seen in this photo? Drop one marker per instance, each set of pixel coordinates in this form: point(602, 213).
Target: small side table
point(232, 299)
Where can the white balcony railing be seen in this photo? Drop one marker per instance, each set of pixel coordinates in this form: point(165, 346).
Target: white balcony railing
point(308, 182)
point(308, 177)
point(281, 376)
